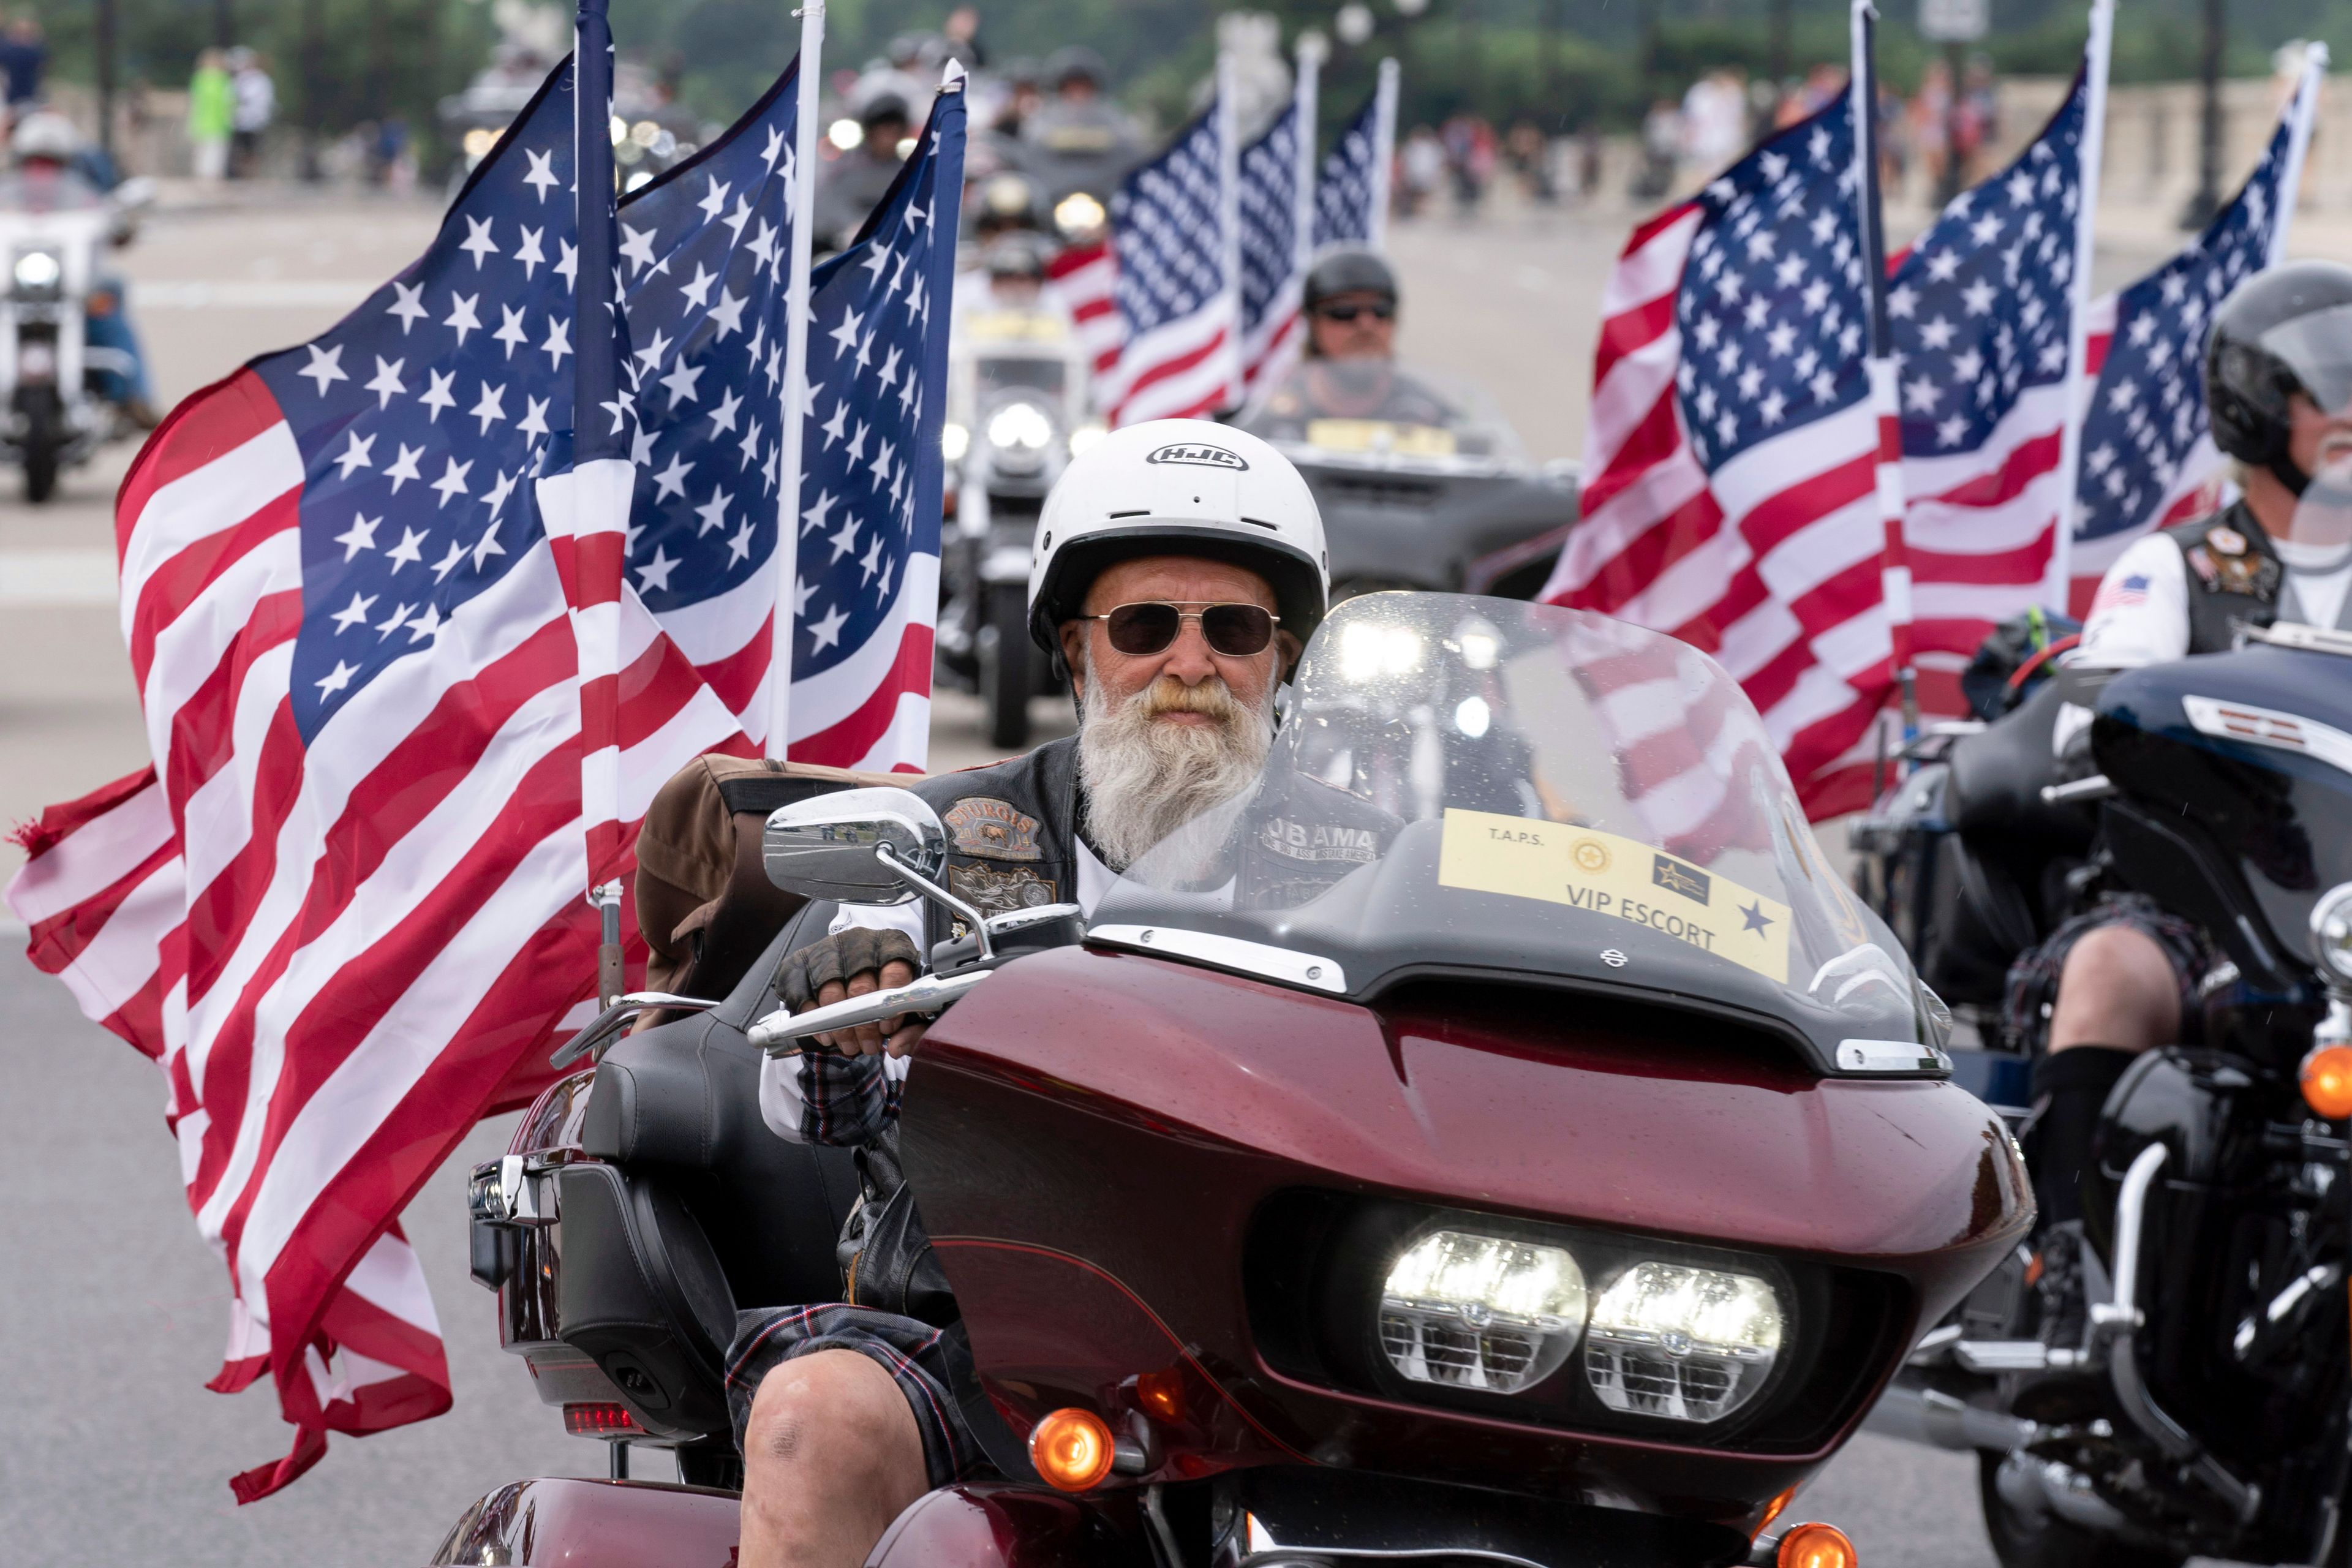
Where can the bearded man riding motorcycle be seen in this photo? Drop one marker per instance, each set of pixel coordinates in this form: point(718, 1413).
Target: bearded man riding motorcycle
point(2124, 978)
point(1179, 568)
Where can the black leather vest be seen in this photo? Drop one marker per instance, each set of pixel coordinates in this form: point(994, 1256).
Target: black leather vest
point(2235, 576)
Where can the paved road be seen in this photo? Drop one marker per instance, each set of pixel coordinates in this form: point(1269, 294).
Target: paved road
point(111, 1313)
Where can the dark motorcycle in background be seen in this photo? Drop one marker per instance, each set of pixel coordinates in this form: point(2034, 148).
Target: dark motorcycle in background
point(1421, 482)
point(2208, 1406)
point(1537, 1183)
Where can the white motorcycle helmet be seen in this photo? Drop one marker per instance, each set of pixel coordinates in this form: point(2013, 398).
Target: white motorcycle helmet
point(45, 133)
point(1177, 487)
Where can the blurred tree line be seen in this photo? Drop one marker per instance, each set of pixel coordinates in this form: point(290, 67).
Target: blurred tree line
point(1565, 63)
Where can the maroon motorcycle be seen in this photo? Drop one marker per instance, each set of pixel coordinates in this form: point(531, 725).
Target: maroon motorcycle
point(1552, 1174)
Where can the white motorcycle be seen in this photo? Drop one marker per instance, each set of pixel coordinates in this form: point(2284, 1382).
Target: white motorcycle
point(50, 420)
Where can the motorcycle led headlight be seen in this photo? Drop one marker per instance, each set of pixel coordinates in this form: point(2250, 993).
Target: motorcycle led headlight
point(1078, 213)
point(2331, 931)
point(1481, 1311)
point(954, 441)
point(37, 271)
point(1690, 1344)
point(1021, 428)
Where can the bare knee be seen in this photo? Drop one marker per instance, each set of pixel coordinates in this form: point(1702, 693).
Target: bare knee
point(2119, 988)
point(829, 1412)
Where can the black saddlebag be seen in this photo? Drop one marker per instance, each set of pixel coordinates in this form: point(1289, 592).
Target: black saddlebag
point(689, 1207)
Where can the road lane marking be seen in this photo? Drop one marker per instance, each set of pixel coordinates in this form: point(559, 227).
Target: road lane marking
point(51, 577)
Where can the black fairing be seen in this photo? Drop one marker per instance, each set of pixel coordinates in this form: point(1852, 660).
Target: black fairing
point(2276, 821)
point(1412, 528)
point(690, 1209)
point(2235, 1197)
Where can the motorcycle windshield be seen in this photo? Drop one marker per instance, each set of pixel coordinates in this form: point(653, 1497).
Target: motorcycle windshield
point(1377, 411)
point(1479, 786)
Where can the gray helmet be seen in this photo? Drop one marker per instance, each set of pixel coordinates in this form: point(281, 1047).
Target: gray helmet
point(2280, 332)
point(1076, 60)
point(1349, 269)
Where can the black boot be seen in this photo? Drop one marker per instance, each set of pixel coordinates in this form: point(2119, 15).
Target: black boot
point(2070, 1090)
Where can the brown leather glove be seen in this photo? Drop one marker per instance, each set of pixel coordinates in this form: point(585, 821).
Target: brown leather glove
point(852, 963)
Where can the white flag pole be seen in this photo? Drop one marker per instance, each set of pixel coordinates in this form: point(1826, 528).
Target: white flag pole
point(1894, 560)
point(799, 193)
point(2305, 109)
point(1229, 219)
point(2057, 588)
point(1311, 50)
point(1384, 113)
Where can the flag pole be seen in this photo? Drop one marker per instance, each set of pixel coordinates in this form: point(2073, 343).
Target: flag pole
point(1311, 50)
point(1384, 112)
point(1895, 560)
point(1229, 216)
point(799, 193)
point(2305, 109)
point(2059, 590)
point(597, 551)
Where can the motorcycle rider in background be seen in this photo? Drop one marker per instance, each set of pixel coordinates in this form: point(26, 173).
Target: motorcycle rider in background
point(1177, 622)
point(52, 169)
point(855, 183)
point(1349, 299)
point(2124, 977)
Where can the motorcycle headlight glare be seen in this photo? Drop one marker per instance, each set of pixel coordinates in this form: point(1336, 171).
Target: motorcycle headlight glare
point(1021, 429)
point(1078, 213)
point(1689, 1344)
point(954, 441)
point(37, 271)
point(1481, 1311)
point(1085, 436)
point(2331, 931)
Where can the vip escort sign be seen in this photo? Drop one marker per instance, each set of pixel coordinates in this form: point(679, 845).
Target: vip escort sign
point(1623, 879)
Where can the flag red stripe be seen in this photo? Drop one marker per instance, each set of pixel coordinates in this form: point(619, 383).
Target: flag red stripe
point(847, 742)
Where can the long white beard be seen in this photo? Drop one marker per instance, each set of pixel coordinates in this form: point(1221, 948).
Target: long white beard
point(1145, 779)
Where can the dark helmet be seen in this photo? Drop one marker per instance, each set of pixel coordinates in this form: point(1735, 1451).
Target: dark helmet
point(1019, 254)
point(2285, 330)
point(1076, 60)
point(1349, 269)
point(884, 106)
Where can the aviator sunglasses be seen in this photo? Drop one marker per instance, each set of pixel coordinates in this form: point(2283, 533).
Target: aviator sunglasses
point(1237, 631)
point(1344, 314)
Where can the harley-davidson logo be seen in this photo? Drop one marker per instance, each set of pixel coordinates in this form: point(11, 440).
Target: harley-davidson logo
point(1199, 455)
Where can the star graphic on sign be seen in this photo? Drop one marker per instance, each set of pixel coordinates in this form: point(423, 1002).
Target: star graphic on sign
point(478, 243)
point(353, 614)
point(528, 252)
point(355, 455)
point(827, 631)
point(337, 679)
point(359, 536)
point(409, 306)
point(452, 482)
point(543, 175)
point(437, 397)
point(325, 367)
point(386, 382)
point(1754, 916)
point(671, 480)
point(510, 332)
point(404, 467)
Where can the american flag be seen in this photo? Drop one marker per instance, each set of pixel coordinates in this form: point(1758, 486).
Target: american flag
point(1351, 192)
point(1083, 279)
point(1275, 172)
point(1983, 312)
point(866, 588)
point(344, 908)
point(1730, 492)
point(1173, 236)
point(2148, 457)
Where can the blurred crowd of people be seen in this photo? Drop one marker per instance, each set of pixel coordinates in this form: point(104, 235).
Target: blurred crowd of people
point(232, 99)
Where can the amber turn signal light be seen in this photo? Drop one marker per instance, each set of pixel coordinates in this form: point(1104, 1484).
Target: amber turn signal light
point(2327, 1083)
point(1073, 1449)
point(1818, 1546)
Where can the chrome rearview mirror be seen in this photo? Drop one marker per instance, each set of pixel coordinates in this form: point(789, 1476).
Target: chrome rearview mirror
point(855, 845)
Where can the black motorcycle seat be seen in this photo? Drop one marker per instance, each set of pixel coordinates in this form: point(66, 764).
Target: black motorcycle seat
point(1998, 774)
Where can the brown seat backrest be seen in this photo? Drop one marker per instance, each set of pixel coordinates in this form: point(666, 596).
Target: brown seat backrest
point(704, 900)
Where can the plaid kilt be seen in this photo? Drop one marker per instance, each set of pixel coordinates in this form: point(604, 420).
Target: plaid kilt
point(2033, 991)
point(932, 1367)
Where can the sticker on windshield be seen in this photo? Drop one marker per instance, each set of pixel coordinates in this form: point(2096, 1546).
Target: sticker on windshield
point(1623, 879)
